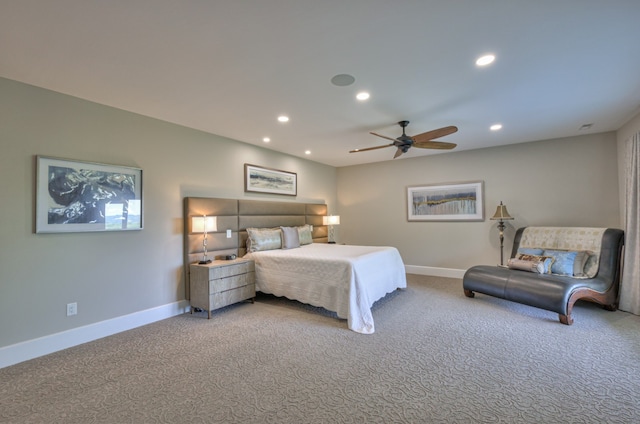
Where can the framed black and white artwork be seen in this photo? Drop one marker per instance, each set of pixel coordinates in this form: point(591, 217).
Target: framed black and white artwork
point(75, 196)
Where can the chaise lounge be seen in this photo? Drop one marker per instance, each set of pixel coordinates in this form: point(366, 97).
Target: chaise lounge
point(553, 267)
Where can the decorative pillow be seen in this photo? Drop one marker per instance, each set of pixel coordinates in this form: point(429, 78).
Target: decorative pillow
point(304, 234)
point(579, 265)
point(568, 239)
point(547, 261)
point(563, 261)
point(522, 265)
point(261, 239)
point(290, 237)
point(530, 251)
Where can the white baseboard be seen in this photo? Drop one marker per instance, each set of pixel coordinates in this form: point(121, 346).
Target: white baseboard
point(30, 349)
point(436, 272)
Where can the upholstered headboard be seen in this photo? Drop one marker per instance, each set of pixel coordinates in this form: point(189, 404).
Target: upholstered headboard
point(239, 214)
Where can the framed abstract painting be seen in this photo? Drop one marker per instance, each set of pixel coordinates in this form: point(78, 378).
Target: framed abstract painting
point(462, 201)
point(75, 196)
point(268, 180)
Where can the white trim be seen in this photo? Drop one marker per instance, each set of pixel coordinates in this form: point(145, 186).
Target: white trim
point(434, 271)
point(30, 349)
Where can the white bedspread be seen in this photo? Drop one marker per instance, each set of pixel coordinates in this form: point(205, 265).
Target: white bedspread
point(340, 278)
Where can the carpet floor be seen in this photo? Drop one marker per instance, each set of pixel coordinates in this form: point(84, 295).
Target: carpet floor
point(436, 357)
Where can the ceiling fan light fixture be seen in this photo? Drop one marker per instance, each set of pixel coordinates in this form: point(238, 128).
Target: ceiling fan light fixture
point(485, 60)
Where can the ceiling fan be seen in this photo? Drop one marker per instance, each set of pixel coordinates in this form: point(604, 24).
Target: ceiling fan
point(423, 141)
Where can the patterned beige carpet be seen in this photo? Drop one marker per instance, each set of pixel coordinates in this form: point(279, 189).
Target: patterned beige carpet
point(436, 357)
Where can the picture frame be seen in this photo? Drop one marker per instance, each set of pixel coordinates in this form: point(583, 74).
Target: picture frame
point(268, 180)
point(77, 196)
point(460, 201)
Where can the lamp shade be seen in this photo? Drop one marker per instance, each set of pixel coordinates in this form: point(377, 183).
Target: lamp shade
point(331, 220)
point(501, 213)
point(202, 224)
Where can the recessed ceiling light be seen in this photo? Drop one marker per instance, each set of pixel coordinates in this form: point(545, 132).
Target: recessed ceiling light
point(363, 95)
point(485, 60)
point(266, 139)
point(283, 118)
point(342, 80)
point(307, 152)
point(495, 127)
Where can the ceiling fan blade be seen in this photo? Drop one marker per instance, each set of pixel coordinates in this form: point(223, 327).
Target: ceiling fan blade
point(435, 145)
point(370, 148)
point(430, 135)
point(398, 152)
point(383, 136)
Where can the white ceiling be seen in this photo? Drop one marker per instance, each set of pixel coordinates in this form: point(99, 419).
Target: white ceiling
point(230, 67)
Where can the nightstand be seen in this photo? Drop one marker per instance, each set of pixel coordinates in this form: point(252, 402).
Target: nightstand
point(221, 283)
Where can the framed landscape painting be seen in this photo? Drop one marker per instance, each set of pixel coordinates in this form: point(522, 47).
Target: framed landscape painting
point(267, 180)
point(446, 202)
point(74, 196)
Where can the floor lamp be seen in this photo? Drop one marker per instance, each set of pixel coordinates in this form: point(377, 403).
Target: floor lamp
point(501, 215)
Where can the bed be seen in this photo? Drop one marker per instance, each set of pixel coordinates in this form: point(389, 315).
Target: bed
point(343, 279)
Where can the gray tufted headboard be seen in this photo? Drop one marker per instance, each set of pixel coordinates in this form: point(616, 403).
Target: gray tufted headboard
point(239, 214)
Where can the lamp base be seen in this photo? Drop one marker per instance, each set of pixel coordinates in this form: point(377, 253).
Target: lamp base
point(208, 261)
point(331, 242)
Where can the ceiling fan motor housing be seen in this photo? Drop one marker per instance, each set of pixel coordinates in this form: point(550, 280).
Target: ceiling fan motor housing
point(404, 141)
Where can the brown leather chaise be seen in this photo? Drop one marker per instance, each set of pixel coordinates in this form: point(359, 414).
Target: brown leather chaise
point(556, 293)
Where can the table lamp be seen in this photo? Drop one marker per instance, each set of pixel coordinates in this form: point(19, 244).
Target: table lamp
point(203, 224)
point(331, 220)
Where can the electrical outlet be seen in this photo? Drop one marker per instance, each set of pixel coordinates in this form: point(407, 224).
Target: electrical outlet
point(72, 309)
point(228, 233)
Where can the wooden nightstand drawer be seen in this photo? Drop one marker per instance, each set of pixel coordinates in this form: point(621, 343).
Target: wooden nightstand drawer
point(233, 282)
point(230, 268)
point(228, 297)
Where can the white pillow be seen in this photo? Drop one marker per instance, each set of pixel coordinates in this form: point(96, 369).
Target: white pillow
point(290, 237)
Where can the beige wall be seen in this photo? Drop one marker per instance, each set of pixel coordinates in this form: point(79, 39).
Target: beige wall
point(113, 276)
point(572, 181)
point(110, 274)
